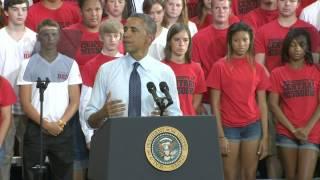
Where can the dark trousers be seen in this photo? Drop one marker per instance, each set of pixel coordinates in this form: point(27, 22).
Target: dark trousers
point(59, 150)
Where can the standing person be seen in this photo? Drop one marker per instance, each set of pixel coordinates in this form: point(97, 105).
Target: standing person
point(177, 11)
point(65, 13)
point(311, 14)
point(17, 45)
point(155, 9)
point(81, 41)
point(204, 15)
point(238, 96)
point(111, 32)
point(190, 77)
point(116, 9)
point(269, 37)
point(61, 103)
point(296, 84)
point(7, 98)
point(113, 94)
point(204, 12)
point(242, 7)
point(209, 44)
point(265, 13)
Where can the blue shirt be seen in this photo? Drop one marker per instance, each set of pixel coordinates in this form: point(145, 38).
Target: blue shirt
point(114, 77)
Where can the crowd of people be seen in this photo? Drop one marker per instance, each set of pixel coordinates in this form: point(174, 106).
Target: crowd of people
point(252, 65)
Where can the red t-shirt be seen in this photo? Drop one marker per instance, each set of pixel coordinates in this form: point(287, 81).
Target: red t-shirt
point(65, 15)
point(190, 81)
point(208, 46)
point(259, 17)
point(209, 19)
point(242, 7)
point(91, 68)
point(270, 37)
point(192, 7)
point(238, 81)
point(7, 95)
point(298, 90)
point(77, 42)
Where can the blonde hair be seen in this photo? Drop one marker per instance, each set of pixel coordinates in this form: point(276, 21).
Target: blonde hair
point(110, 26)
point(183, 18)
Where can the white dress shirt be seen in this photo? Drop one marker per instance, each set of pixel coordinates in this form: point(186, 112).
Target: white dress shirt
point(84, 100)
point(114, 77)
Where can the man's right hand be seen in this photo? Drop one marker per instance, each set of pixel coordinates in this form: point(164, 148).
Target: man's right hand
point(113, 108)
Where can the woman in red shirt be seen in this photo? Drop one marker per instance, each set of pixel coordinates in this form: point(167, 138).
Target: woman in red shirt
point(190, 77)
point(238, 96)
point(294, 100)
point(7, 98)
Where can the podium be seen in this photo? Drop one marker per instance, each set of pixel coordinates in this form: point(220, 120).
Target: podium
point(118, 149)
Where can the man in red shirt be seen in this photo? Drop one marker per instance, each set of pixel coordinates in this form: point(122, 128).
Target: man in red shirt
point(209, 44)
point(269, 37)
point(266, 12)
point(65, 13)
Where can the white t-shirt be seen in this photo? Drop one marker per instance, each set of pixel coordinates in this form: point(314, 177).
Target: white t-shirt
point(193, 28)
point(56, 96)
point(156, 49)
point(138, 5)
point(12, 53)
point(311, 14)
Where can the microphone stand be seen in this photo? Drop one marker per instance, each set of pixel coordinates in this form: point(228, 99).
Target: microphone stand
point(42, 86)
point(164, 104)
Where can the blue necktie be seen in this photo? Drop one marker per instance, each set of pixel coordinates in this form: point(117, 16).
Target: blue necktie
point(134, 92)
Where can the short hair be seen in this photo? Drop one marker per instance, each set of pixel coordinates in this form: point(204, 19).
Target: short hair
point(293, 34)
point(48, 22)
point(82, 2)
point(150, 25)
point(233, 29)
point(147, 5)
point(10, 3)
point(110, 26)
point(183, 18)
point(175, 29)
point(230, 2)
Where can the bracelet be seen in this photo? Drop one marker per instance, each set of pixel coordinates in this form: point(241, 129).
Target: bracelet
point(222, 137)
point(61, 123)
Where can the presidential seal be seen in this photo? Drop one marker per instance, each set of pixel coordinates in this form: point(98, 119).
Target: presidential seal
point(166, 148)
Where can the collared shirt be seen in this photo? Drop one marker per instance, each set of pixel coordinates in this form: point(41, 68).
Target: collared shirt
point(114, 77)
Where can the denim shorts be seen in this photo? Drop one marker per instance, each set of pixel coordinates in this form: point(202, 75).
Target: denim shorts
point(1, 155)
point(284, 141)
point(247, 133)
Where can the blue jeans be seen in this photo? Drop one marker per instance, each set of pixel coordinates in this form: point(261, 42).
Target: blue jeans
point(1, 156)
point(284, 141)
point(247, 133)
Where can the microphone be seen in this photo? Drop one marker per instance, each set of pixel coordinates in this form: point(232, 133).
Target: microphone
point(165, 89)
point(42, 83)
point(153, 91)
